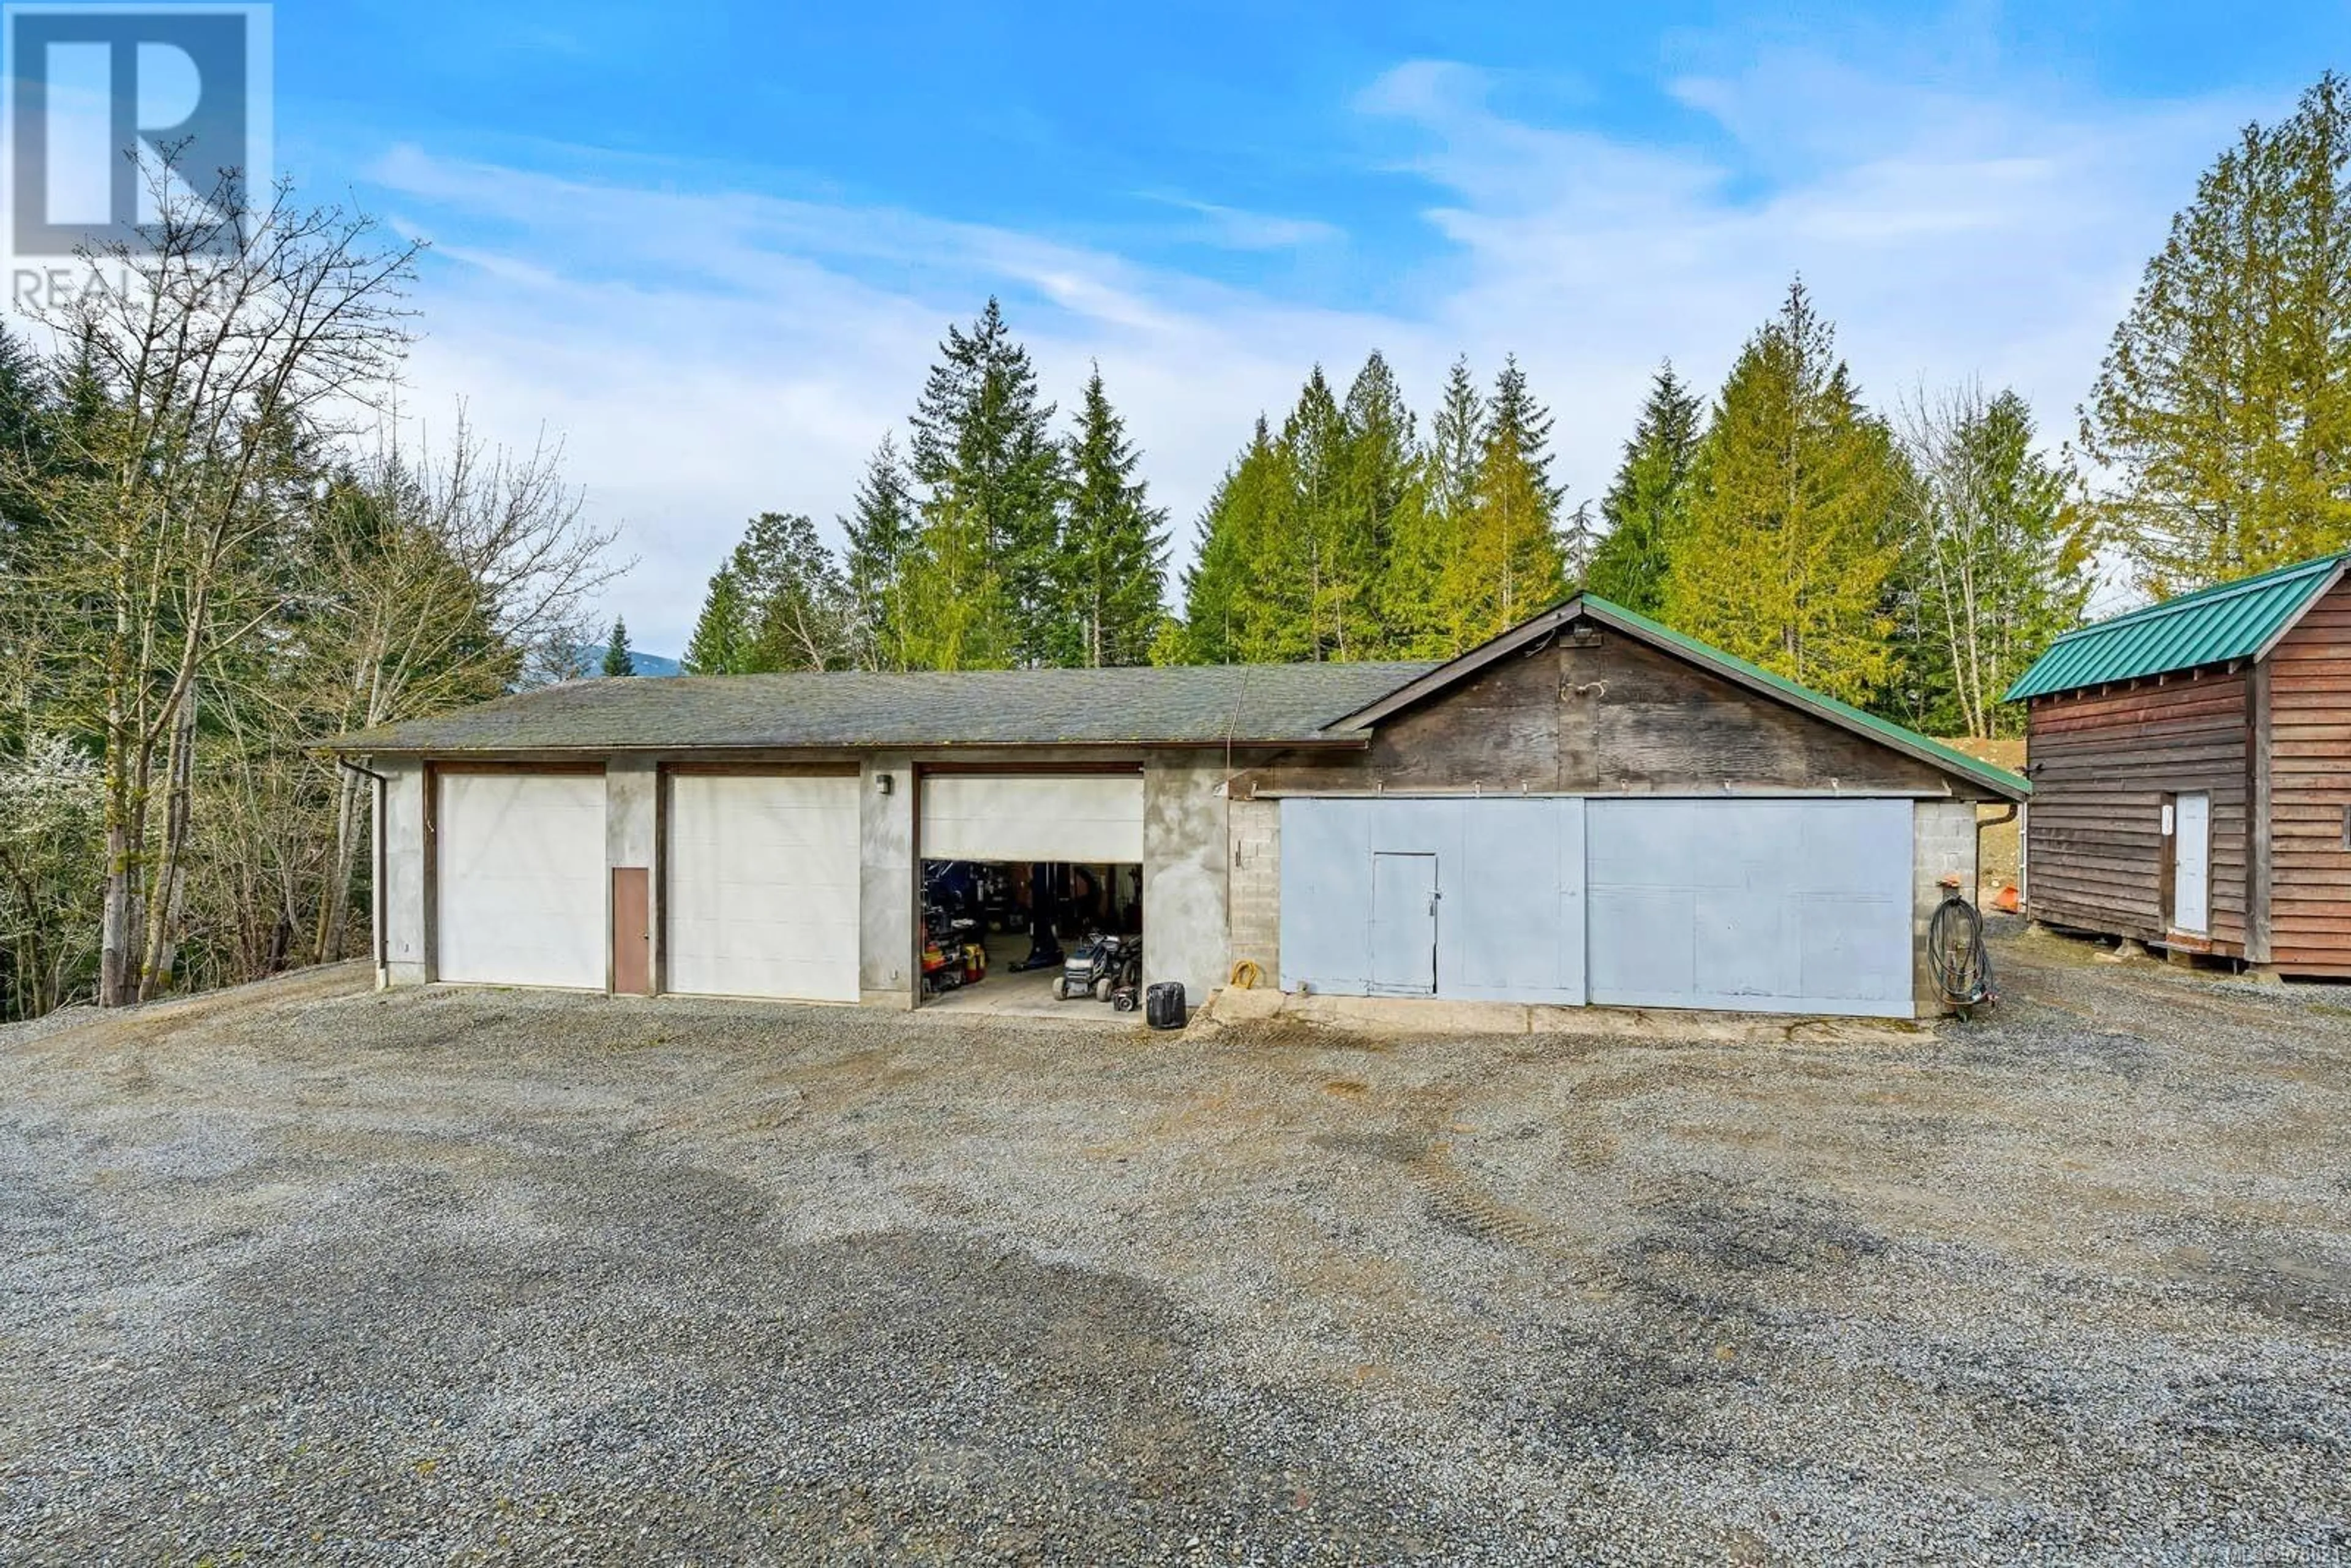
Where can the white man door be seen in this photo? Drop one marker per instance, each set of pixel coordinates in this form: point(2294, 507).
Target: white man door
point(2192, 864)
point(1404, 925)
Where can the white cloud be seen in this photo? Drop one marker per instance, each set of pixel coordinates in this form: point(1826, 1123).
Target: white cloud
point(1237, 228)
point(708, 356)
point(710, 353)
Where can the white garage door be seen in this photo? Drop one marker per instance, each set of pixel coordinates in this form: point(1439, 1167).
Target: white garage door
point(762, 891)
point(520, 863)
point(1090, 817)
point(1799, 906)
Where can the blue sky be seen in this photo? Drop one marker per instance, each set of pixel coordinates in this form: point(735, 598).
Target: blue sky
point(711, 247)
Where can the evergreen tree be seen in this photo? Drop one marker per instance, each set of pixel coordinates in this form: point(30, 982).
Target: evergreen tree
point(954, 596)
point(781, 602)
point(881, 528)
point(1510, 565)
point(1579, 540)
point(1516, 416)
point(2223, 408)
point(1647, 506)
point(721, 644)
point(1114, 541)
point(30, 430)
point(1314, 549)
point(987, 591)
point(1296, 598)
point(39, 413)
point(1381, 497)
point(1790, 538)
point(617, 659)
point(1455, 434)
point(1429, 538)
point(1239, 527)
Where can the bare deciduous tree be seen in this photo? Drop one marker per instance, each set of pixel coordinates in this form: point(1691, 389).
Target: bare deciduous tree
point(442, 581)
point(203, 363)
point(1995, 557)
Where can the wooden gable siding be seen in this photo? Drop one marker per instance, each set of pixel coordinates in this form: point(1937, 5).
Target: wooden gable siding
point(2101, 763)
point(2309, 676)
point(1605, 713)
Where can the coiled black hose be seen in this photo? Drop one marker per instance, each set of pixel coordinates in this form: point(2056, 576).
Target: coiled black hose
point(1955, 948)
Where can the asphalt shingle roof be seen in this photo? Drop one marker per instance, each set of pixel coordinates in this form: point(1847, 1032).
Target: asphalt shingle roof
point(1201, 705)
point(2211, 626)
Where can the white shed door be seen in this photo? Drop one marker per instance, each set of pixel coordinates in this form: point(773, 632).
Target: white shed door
point(2191, 865)
point(1799, 906)
point(762, 890)
point(520, 864)
point(1088, 818)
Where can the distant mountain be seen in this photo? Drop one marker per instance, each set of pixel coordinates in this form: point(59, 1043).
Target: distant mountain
point(646, 663)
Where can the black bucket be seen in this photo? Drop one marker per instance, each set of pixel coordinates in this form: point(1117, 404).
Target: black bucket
point(1163, 1005)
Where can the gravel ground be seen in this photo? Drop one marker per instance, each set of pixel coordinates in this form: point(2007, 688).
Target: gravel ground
point(310, 1273)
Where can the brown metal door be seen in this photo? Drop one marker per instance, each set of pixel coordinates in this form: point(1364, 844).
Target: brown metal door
point(632, 931)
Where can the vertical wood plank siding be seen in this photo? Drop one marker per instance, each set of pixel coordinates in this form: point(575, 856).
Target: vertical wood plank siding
point(2102, 762)
point(1606, 715)
point(2309, 762)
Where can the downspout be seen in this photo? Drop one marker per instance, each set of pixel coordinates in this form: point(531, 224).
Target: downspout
point(1982, 823)
point(1231, 855)
point(376, 888)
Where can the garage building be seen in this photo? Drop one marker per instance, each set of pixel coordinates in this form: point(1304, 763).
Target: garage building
point(1589, 809)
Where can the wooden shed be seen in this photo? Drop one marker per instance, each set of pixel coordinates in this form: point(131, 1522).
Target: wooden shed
point(2191, 773)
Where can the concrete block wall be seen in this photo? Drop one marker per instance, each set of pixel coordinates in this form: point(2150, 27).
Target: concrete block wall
point(401, 897)
point(1942, 843)
point(1253, 849)
point(885, 910)
point(1185, 931)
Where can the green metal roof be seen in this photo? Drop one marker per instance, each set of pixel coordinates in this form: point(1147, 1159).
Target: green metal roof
point(1902, 738)
point(2237, 619)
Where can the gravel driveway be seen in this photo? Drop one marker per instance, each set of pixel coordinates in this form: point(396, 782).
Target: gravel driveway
point(306, 1272)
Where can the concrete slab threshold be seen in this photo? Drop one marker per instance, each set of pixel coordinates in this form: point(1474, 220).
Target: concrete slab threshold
point(1011, 993)
point(1395, 1016)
